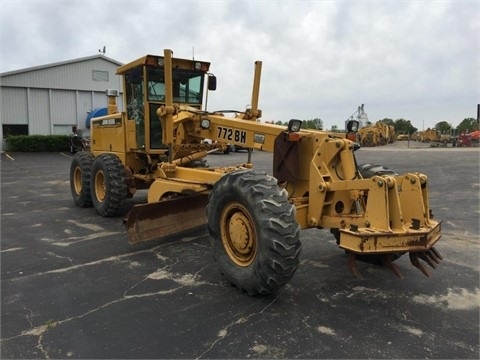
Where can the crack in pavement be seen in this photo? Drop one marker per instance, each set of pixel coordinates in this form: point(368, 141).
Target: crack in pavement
point(41, 348)
point(184, 280)
point(79, 239)
point(11, 250)
point(224, 332)
point(114, 258)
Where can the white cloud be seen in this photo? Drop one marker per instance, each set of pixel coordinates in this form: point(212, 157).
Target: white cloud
point(403, 59)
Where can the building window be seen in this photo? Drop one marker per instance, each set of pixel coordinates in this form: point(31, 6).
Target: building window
point(14, 130)
point(99, 75)
point(62, 129)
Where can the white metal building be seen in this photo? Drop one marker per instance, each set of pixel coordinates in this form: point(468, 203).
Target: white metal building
point(56, 98)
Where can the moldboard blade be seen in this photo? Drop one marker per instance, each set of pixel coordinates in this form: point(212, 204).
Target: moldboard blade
point(152, 221)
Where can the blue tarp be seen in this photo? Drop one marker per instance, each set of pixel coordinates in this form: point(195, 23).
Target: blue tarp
point(95, 113)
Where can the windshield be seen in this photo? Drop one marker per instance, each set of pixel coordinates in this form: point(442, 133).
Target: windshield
point(187, 86)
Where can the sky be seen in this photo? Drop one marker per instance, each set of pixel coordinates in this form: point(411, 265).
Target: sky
point(416, 60)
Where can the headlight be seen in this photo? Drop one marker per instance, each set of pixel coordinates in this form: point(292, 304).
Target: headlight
point(294, 125)
point(205, 124)
point(352, 126)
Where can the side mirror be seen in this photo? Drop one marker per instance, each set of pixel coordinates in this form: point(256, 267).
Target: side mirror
point(212, 83)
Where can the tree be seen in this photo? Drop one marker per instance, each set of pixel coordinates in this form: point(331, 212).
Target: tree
point(403, 126)
point(313, 124)
point(443, 127)
point(388, 121)
point(334, 128)
point(467, 125)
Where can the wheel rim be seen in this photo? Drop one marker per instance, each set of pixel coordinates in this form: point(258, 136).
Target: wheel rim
point(100, 188)
point(77, 180)
point(238, 234)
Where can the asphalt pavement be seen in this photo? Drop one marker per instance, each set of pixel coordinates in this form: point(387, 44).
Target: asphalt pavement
point(72, 286)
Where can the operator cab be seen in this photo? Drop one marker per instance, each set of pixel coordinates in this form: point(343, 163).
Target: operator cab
point(144, 84)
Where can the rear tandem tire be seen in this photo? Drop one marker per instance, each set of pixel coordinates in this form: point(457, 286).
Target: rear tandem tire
point(108, 184)
point(80, 171)
point(253, 231)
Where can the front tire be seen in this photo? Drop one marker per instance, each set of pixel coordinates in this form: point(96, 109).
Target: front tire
point(80, 171)
point(108, 184)
point(368, 170)
point(253, 231)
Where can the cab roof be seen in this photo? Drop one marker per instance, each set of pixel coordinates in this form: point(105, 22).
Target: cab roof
point(157, 61)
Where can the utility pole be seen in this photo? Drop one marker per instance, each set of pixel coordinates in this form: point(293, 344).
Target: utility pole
point(478, 117)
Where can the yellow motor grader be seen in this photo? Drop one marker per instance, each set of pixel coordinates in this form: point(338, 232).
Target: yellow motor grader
point(430, 135)
point(253, 218)
point(376, 134)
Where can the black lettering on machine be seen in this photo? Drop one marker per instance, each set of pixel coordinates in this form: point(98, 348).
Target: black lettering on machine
point(229, 134)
